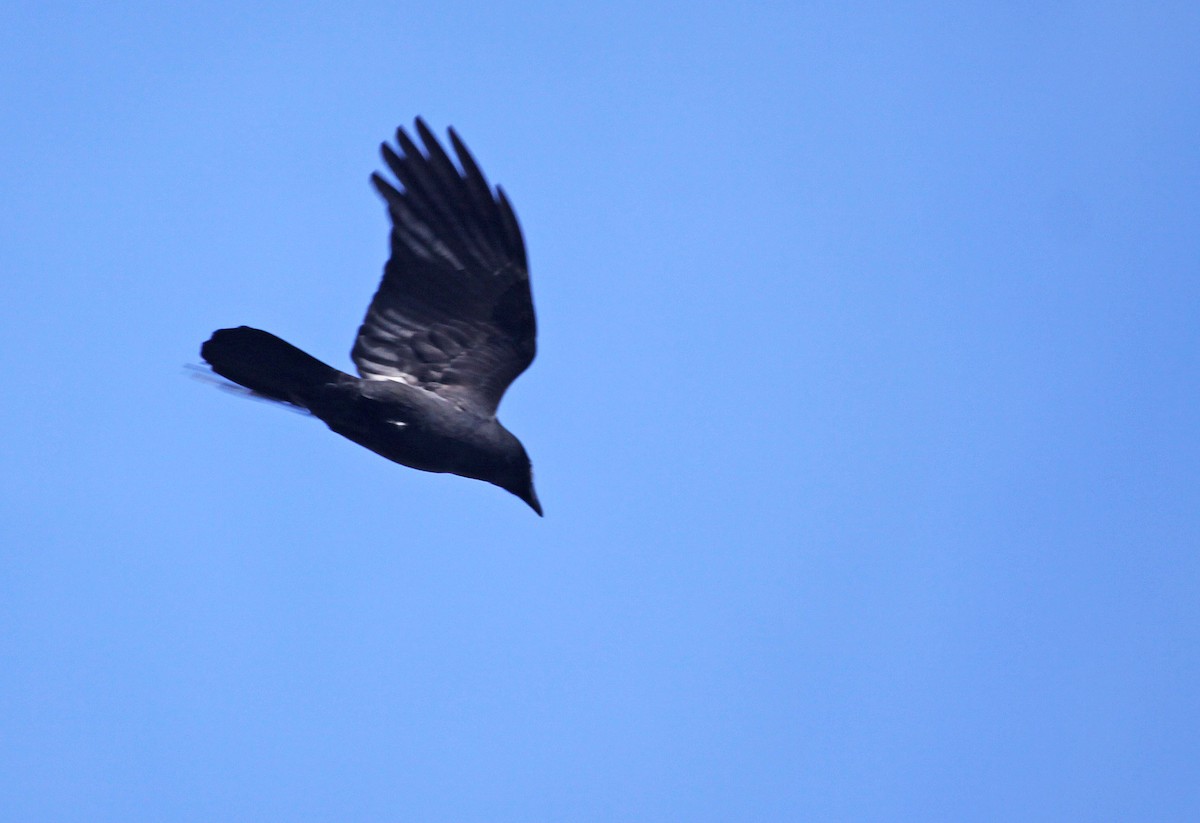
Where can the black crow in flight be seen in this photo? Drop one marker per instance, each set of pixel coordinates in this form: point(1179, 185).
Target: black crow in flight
point(449, 329)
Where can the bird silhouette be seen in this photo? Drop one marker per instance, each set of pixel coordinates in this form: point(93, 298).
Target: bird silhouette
point(449, 329)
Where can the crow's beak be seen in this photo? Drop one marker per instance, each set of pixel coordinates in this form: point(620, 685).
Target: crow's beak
point(532, 500)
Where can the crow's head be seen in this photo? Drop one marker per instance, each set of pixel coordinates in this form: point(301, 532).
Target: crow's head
point(516, 475)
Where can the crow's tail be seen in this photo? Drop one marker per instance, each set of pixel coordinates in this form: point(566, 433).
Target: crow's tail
point(266, 365)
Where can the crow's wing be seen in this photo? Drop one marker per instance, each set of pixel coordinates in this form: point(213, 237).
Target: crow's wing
point(454, 313)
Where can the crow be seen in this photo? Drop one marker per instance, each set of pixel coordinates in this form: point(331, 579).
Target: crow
point(449, 329)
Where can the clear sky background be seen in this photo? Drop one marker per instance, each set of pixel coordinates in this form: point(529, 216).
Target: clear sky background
point(865, 417)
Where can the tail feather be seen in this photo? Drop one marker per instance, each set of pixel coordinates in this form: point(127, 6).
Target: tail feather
point(266, 365)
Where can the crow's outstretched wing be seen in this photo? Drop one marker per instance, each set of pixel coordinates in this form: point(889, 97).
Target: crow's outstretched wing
point(454, 313)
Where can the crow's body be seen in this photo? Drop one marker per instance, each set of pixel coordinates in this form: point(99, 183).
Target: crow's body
point(449, 329)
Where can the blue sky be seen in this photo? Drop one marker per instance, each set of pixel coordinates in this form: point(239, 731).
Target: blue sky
point(865, 417)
